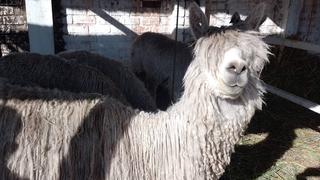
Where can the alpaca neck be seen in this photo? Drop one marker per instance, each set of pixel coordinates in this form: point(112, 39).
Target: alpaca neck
point(202, 99)
point(219, 123)
point(202, 106)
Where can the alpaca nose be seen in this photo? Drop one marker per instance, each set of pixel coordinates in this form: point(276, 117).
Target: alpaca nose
point(237, 67)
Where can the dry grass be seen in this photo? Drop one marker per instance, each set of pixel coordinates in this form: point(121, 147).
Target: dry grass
point(283, 140)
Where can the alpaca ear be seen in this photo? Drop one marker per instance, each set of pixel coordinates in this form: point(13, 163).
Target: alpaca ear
point(256, 17)
point(198, 21)
point(235, 19)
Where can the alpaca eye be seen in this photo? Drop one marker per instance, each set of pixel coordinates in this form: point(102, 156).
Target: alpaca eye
point(259, 72)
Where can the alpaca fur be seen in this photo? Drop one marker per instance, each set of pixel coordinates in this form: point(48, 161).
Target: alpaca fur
point(152, 54)
point(132, 88)
point(49, 71)
point(64, 136)
point(41, 122)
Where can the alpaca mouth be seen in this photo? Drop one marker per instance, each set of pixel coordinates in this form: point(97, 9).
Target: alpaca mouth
point(236, 85)
point(232, 91)
point(237, 89)
point(239, 83)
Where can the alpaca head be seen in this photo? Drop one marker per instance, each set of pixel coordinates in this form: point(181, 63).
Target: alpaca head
point(231, 61)
point(231, 57)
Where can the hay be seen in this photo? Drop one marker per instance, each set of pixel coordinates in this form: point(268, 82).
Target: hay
point(283, 140)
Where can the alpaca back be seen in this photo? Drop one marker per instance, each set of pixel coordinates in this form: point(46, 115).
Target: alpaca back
point(36, 128)
point(133, 89)
point(50, 71)
point(53, 134)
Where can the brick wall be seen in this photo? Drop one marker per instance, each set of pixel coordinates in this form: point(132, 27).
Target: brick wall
point(109, 27)
point(13, 27)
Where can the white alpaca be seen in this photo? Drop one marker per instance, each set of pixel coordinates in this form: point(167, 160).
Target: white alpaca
point(59, 135)
point(153, 54)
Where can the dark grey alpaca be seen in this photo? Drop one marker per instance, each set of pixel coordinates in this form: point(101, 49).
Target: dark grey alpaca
point(131, 87)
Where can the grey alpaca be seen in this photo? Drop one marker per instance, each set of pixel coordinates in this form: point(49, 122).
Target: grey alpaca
point(131, 87)
point(49, 71)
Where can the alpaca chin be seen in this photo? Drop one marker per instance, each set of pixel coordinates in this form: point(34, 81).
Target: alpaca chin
point(232, 96)
point(227, 92)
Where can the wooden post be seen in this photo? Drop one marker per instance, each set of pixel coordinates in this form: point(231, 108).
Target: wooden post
point(293, 98)
point(292, 43)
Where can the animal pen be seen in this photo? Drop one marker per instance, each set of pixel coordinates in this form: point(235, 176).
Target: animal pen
point(283, 139)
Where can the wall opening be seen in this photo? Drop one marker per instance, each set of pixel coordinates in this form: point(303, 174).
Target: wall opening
point(151, 4)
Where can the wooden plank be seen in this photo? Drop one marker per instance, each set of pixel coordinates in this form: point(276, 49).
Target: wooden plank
point(293, 98)
point(292, 43)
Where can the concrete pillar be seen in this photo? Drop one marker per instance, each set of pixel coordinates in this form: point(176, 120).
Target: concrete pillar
point(40, 26)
